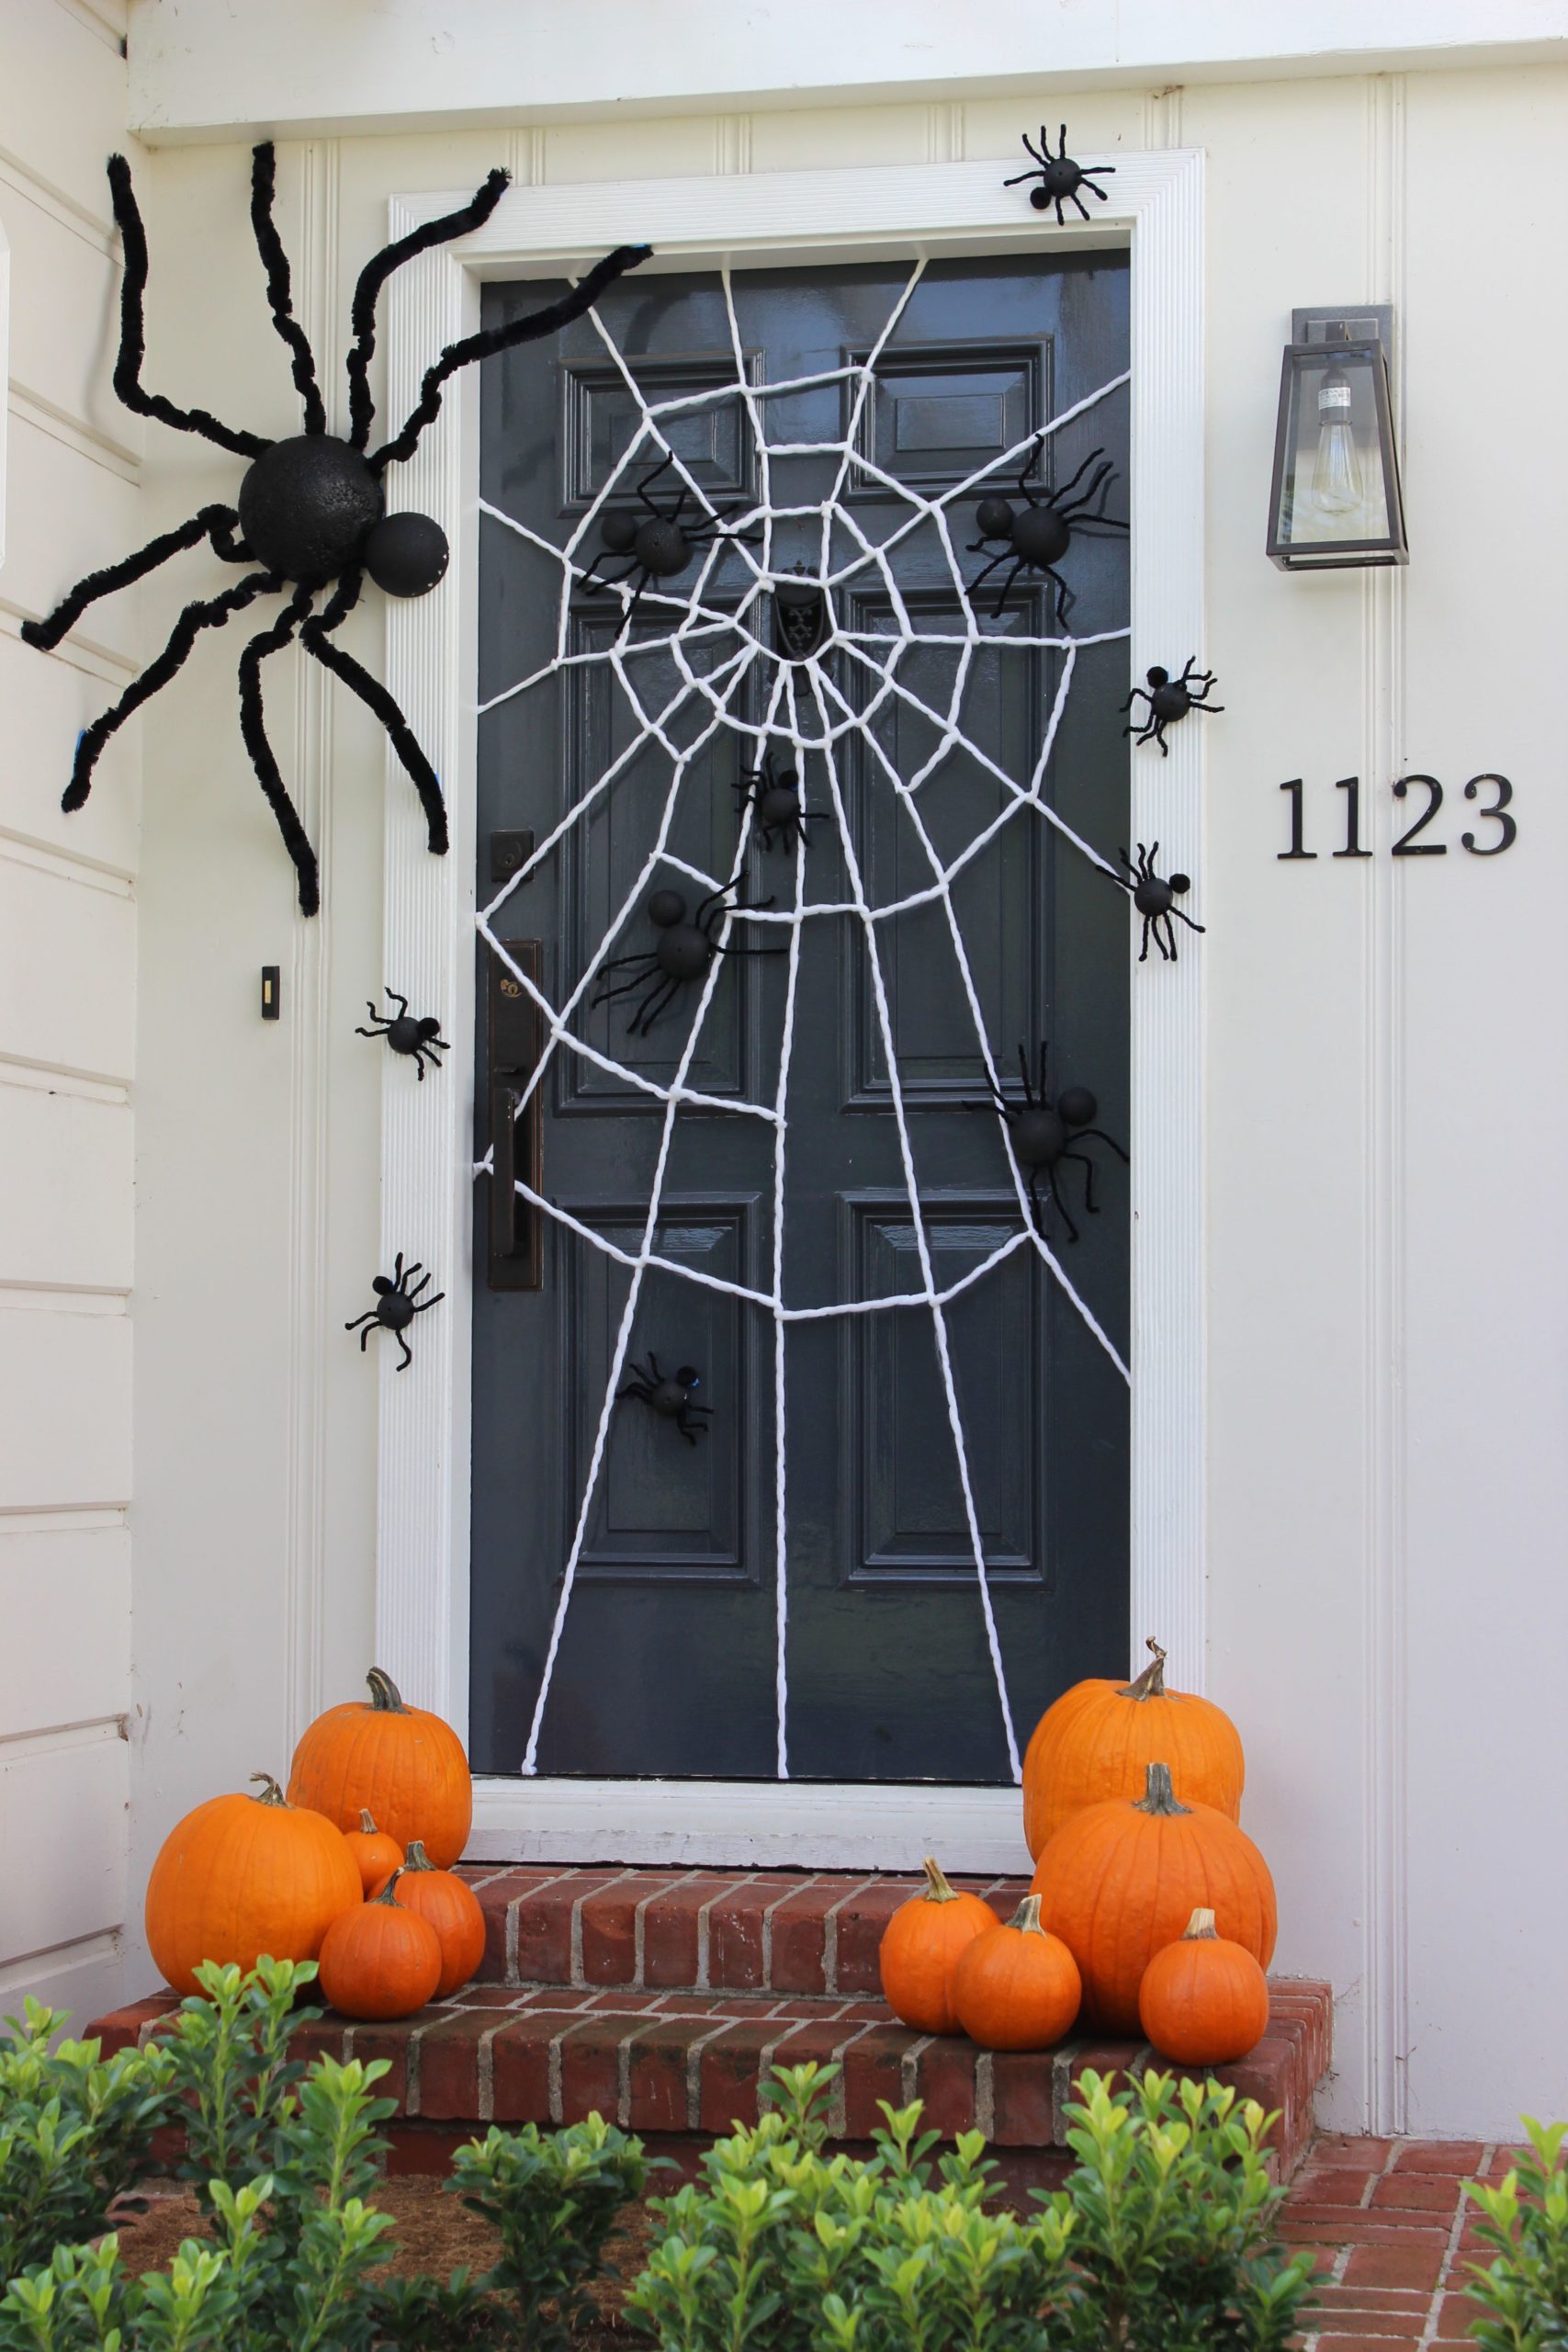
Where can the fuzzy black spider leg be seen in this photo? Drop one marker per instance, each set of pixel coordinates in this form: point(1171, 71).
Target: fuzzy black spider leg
point(1184, 918)
point(645, 580)
point(1023, 1067)
point(400, 1001)
point(1144, 950)
point(1020, 176)
point(133, 335)
point(1139, 694)
point(538, 323)
point(626, 987)
point(1059, 498)
point(1208, 708)
point(1044, 1055)
point(1083, 209)
point(374, 276)
point(252, 728)
point(1066, 597)
point(602, 584)
point(316, 638)
point(984, 572)
point(654, 1007)
point(653, 1365)
point(1020, 564)
point(381, 1027)
point(1091, 180)
point(1164, 938)
point(661, 466)
point(274, 261)
point(414, 1288)
point(1098, 483)
point(371, 1324)
point(728, 950)
point(1080, 1160)
point(368, 1317)
point(208, 611)
point(408, 1352)
point(1081, 1134)
point(637, 1388)
point(426, 1304)
point(1065, 1211)
point(208, 524)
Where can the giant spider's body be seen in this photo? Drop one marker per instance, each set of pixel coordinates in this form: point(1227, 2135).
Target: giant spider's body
point(398, 1302)
point(774, 797)
point(670, 1396)
point(659, 547)
point(687, 945)
point(1042, 1134)
point(1169, 700)
point(1037, 534)
point(1059, 179)
point(310, 510)
point(408, 1034)
point(1155, 895)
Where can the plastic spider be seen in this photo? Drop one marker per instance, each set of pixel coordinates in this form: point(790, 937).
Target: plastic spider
point(670, 1396)
point(1036, 535)
point(1058, 177)
point(1155, 896)
point(1169, 699)
point(395, 1306)
point(405, 1034)
point(310, 510)
point(687, 945)
point(658, 547)
point(774, 798)
point(1042, 1134)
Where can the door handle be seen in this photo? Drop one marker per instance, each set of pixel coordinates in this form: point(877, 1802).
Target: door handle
point(515, 1256)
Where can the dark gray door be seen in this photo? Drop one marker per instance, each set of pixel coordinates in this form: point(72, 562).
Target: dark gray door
point(626, 1609)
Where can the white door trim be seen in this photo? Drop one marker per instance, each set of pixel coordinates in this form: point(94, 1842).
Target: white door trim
point(421, 1587)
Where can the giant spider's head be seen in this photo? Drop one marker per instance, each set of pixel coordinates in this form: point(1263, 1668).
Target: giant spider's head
point(311, 506)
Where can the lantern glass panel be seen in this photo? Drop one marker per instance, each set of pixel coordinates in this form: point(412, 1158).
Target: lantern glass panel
point(1336, 477)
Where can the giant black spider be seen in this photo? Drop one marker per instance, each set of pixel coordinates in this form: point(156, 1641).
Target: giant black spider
point(774, 797)
point(1036, 535)
point(1169, 699)
point(686, 948)
point(669, 1394)
point(407, 1034)
point(395, 1306)
point(1058, 178)
point(1155, 896)
point(659, 547)
point(1042, 1133)
point(310, 510)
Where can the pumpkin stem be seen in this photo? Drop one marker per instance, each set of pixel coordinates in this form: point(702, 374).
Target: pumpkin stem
point(387, 1893)
point(1150, 1684)
point(367, 1826)
point(1201, 1928)
point(272, 1794)
point(1026, 1919)
point(385, 1696)
point(416, 1859)
point(936, 1888)
point(1159, 1795)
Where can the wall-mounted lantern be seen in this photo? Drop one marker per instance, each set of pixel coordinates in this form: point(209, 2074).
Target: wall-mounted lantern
point(1336, 502)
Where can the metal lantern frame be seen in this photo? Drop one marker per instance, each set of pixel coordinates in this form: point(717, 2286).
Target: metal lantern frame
point(1347, 332)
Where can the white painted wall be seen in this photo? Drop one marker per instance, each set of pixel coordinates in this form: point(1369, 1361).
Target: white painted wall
point(67, 1031)
point(1386, 1378)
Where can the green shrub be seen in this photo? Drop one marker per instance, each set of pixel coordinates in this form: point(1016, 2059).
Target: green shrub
point(1523, 2291)
point(76, 2132)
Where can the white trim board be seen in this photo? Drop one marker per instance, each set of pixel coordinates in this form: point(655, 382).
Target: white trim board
point(427, 1189)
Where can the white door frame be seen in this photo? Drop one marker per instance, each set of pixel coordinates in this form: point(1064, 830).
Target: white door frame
point(427, 1195)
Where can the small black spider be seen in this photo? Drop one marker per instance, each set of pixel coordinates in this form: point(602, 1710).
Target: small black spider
point(1155, 895)
point(687, 945)
point(659, 547)
point(670, 1394)
point(1042, 1133)
point(405, 1034)
point(395, 1309)
point(311, 513)
point(1037, 534)
point(1169, 699)
point(774, 798)
point(1058, 177)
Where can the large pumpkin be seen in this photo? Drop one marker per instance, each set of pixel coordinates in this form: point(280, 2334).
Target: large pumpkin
point(1099, 1738)
point(241, 1876)
point(920, 1947)
point(1119, 1880)
point(402, 1765)
point(1203, 2001)
point(1015, 1987)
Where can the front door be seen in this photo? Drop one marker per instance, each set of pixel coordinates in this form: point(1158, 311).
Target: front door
point(800, 1433)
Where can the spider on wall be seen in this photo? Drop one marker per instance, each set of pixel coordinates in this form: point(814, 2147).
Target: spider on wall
point(1058, 178)
point(669, 1394)
point(659, 547)
point(1155, 895)
point(398, 1302)
point(1042, 1132)
point(774, 797)
point(408, 1032)
point(1169, 699)
point(311, 513)
point(1036, 535)
point(687, 945)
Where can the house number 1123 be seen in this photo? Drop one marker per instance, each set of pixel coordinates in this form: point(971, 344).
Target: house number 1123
point(1491, 793)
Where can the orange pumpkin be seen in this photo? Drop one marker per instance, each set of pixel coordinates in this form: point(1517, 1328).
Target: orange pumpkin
point(245, 1875)
point(376, 1856)
point(1119, 1880)
point(1016, 1987)
point(452, 1908)
point(401, 1764)
point(380, 1961)
point(1204, 2000)
point(1099, 1738)
point(921, 1946)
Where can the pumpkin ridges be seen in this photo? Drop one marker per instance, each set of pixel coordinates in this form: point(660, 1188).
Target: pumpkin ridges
point(1093, 1742)
point(237, 1877)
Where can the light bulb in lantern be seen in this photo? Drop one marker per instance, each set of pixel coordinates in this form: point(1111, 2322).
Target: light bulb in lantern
point(1337, 486)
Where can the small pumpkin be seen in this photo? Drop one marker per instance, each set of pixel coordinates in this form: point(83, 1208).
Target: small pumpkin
point(452, 1908)
point(376, 1856)
point(1203, 2000)
point(1099, 1739)
point(920, 1947)
point(1119, 1881)
point(243, 1875)
point(1016, 1987)
point(380, 1961)
point(399, 1763)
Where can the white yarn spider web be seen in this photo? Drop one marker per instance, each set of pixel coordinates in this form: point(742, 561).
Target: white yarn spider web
point(807, 712)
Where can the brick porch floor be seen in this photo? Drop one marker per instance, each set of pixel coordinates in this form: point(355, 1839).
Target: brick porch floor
point(1393, 2232)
